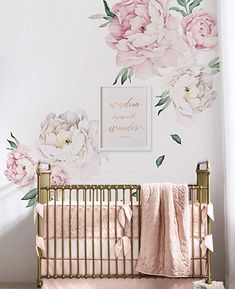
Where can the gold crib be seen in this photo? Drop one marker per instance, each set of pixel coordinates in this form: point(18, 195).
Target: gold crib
point(109, 196)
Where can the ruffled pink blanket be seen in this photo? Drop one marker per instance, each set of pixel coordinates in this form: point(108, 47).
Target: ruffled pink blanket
point(165, 235)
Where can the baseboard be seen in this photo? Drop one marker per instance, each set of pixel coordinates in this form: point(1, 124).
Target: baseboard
point(24, 285)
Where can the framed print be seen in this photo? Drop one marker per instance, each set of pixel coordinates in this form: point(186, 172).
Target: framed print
point(125, 119)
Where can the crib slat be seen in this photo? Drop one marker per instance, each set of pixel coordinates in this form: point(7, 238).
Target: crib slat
point(200, 229)
point(55, 238)
point(132, 265)
point(116, 199)
point(47, 228)
point(70, 237)
point(62, 221)
point(124, 257)
point(93, 233)
point(192, 200)
point(85, 231)
point(108, 232)
point(101, 261)
point(77, 199)
point(139, 223)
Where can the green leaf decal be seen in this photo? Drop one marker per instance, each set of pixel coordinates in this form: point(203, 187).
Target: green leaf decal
point(108, 18)
point(178, 10)
point(119, 74)
point(165, 106)
point(31, 202)
point(194, 4)
point(124, 77)
point(213, 61)
point(107, 10)
point(31, 194)
point(214, 71)
point(97, 16)
point(176, 138)
point(12, 144)
point(215, 66)
point(104, 24)
point(162, 101)
point(165, 93)
point(16, 140)
point(181, 2)
point(131, 72)
point(160, 160)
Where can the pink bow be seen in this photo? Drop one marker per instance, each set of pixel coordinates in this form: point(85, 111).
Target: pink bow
point(38, 209)
point(125, 212)
point(40, 245)
point(124, 245)
point(207, 244)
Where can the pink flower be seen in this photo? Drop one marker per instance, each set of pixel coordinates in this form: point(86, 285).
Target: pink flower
point(59, 176)
point(200, 30)
point(20, 167)
point(145, 36)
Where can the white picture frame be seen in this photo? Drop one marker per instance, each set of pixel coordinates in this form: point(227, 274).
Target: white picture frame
point(125, 117)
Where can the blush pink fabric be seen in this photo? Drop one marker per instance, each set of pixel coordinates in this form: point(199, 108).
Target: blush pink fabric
point(165, 236)
point(124, 217)
point(117, 283)
point(124, 214)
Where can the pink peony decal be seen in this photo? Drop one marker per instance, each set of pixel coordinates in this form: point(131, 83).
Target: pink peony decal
point(200, 30)
point(145, 37)
point(59, 176)
point(20, 167)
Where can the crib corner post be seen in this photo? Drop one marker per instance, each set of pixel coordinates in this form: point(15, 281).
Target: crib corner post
point(43, 183)
point(203, 179)
point(43, 189)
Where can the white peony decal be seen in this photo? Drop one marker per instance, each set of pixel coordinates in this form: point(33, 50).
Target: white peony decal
point(191, 90)
point(71, 140)
point(68, 141)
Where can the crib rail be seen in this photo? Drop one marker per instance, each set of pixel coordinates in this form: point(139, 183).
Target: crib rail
point(65, 200)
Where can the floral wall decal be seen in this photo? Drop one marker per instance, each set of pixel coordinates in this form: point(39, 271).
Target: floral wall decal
point(151, 37)
point(20, 166)
point(190, 89)
point(200, 30)
point(68, 141)
point(160, 160)
point(176, 138)
point(145, 37)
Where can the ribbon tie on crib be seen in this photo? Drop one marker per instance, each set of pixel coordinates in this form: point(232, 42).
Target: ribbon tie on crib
point(123, 244)
point(209, 211)
point(38, 209)
point(124, 212)
point(207, 244)
point(40, 245)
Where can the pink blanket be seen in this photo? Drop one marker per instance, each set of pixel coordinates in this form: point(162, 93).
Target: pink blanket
point(165, 235)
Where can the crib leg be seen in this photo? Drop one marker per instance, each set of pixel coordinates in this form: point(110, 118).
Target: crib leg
point(208, 280)
point(39, 284)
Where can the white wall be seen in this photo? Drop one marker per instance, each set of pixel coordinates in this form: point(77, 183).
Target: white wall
point(53, 59)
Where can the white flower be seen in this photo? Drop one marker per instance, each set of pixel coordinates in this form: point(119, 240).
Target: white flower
point(72, 140)
point(191, 89)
